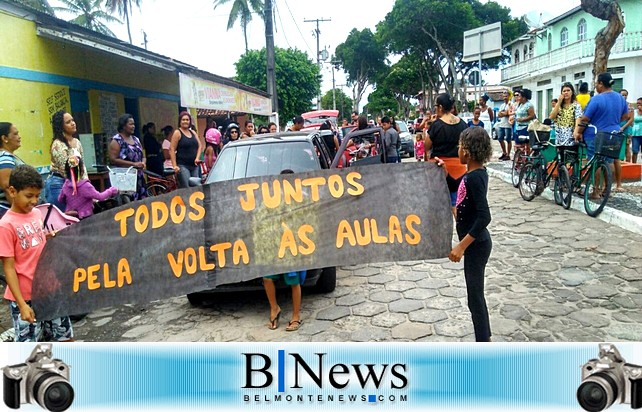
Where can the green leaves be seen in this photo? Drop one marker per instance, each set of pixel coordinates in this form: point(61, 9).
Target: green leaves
point(343, 102)
point(89, 14)
point(297, 78)
point(242, 12)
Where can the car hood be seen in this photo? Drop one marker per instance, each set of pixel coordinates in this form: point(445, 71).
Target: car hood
point(405, 136)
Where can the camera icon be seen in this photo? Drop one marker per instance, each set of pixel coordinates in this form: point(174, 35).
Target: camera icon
point(608, 380)
point(41, 379)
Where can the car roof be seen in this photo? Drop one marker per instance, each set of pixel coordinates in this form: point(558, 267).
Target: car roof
point(272, 138)
point(320, 113)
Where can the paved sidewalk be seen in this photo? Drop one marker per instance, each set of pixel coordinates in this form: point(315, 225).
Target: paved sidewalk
point(622, 209)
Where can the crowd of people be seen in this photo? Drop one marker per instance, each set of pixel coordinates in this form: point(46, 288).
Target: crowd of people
point(460, 148)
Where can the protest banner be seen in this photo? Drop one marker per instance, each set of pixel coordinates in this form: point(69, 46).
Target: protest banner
point(199, 238)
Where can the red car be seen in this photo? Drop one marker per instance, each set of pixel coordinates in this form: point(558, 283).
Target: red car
point(313, 120)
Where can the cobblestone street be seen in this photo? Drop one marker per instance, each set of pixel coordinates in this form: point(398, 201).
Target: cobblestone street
point(554, 275)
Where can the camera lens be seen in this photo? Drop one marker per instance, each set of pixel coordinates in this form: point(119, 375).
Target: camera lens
point(597, 392)
point(592, 397)
point(53, 392)
point(58, 396)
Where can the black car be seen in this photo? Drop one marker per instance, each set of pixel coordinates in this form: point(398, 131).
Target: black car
point(298, 152)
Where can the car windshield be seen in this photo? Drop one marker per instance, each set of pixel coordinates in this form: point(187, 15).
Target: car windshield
point(319, 120)
point(403, 127)
point(263, 160)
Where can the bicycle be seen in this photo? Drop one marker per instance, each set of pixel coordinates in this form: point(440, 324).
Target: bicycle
point(158, 185)
point(536, 174)
point(519, 159)
point(596, 174)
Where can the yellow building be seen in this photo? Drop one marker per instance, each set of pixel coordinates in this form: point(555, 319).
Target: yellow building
point(48, 64)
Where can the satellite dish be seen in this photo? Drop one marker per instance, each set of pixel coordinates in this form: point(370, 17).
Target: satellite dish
point(531, 23)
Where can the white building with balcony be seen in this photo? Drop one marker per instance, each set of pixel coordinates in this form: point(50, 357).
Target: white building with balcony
point(563, 49)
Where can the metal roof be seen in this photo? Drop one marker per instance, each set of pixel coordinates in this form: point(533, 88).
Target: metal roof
point(60, 30)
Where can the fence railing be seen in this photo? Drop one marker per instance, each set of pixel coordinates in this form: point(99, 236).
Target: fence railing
point(565, 56)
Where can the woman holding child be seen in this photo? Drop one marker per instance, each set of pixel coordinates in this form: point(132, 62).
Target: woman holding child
point(63, 146)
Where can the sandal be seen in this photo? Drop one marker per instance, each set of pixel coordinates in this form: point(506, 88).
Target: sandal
point(274, 323)
point(293, 325)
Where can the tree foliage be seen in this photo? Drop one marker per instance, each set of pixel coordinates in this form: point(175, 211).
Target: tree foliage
point(382, 102)
point(39, 5)
point(342, 100)
point(124, 9)
point(400, 82)
point(361, 57)
point(89, 14)
point(610, 11)
point(242, 11)
point(297, 78)
point(432, 31)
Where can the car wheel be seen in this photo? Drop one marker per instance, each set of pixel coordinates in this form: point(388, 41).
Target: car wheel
point(327, 280)
point(195, 299)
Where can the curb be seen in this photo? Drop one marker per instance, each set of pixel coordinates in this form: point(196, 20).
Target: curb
point(609, 215)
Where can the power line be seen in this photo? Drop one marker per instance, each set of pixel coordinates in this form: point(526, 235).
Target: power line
point(297, 27)
point(278, 13)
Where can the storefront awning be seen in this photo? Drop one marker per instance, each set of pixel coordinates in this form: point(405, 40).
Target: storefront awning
point(205, 94)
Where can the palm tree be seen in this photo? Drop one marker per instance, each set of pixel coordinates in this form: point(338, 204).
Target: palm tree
point(241, 11)
point(124, 9)
point(89, 14)
point(40, 5)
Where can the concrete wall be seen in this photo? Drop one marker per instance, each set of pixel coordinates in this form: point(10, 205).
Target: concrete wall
point(39, 76)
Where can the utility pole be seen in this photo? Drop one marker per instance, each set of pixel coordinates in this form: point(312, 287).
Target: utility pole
point(318, 32)
point(342, 99)
point(269, 51)
point(334, 94)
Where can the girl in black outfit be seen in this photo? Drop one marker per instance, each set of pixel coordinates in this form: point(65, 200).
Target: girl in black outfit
point(472, 217)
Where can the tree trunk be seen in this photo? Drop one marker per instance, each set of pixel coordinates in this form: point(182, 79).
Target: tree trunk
point(605, 39)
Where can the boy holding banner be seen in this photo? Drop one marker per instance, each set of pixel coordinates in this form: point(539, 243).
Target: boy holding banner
point(22, 240)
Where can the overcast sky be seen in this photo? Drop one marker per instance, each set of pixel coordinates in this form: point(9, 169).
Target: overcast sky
point(193, 32)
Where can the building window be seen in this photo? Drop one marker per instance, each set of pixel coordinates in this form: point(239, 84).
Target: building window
point(564, 37)
point(550, 42)
point(581, 30)
point(617, 70)
point(525, 52)
point(516, 56)
point(618, 84)
point(531, 50)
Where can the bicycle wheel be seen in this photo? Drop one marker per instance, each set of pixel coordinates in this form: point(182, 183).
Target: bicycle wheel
point(598, 189)
point(528, 181)
point(541, 172)
point(155, 189)
point(518, 162)
point(563, 189)
point(123, 199)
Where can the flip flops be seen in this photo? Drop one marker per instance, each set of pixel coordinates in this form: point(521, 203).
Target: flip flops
point(293, 325)
point(274, 323)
